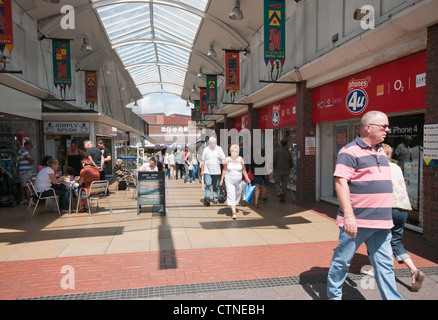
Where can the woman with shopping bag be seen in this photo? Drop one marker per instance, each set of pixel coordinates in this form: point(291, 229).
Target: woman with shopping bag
point(232, 174)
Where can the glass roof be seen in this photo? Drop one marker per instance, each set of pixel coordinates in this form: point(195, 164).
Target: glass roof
point(153, 39)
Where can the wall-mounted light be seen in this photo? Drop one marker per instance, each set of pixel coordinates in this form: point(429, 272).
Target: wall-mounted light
point(212, 53)
point(236, 13)
point(86, 44)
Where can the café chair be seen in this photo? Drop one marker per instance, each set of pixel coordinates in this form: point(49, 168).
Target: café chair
point(35, 198)
point(98, 189)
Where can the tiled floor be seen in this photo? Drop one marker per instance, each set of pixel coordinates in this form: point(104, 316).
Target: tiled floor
point(192, 244)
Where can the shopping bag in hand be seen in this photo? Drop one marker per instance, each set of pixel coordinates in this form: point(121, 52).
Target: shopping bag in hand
point(222, 195)
point(249, 190)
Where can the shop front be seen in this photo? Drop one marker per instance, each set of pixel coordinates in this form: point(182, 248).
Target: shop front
point(58, 136)
point(20, 116)
point(396, 88)
point(281, 117)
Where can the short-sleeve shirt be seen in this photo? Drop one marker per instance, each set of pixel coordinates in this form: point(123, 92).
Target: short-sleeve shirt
point(95, 154)
point(24, 164)
point(89, 174)
point(369, 179)
point(42, 180)
point(212, 159)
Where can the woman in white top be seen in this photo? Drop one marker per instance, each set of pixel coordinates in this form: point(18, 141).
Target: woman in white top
point(44, 180)
point(172, 164)
point(400, 207)
point(232, 172)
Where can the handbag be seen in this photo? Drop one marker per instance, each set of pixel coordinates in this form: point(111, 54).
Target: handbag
point(222, 195)
point(250, 175)
point(59, 186)
point(249, 190)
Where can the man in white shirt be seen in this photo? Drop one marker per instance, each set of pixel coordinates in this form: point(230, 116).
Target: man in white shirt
point(212, 158)
point(149, 166)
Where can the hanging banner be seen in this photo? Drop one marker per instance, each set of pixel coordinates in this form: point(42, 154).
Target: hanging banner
point(61, 62)
point(232, 71)
point(203, 98)
point(197, 110)
point(275, 31)
point(91, 86)
point(6, 33)
point(211, 91)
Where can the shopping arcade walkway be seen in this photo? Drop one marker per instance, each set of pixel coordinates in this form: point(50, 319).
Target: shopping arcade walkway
point(193, 244)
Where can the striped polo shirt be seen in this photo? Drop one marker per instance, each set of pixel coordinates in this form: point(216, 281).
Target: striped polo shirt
point(369, 178)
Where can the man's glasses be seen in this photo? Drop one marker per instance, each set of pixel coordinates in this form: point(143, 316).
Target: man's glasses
point(384, 127)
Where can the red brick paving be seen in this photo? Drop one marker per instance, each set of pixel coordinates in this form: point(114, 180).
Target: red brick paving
point(37, 278)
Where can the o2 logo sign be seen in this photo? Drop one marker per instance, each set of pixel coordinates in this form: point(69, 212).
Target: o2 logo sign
point(275, 118)
point(357, 98)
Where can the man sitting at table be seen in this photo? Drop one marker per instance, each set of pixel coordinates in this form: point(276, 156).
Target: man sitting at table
point(151, 166)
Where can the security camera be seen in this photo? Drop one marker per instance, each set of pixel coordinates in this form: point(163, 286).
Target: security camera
point(359, 14)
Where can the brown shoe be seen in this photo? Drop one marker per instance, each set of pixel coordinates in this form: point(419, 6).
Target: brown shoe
point(419, 278)
point(206, 203)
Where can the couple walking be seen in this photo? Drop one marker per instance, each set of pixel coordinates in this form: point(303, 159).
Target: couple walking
point(234, 167)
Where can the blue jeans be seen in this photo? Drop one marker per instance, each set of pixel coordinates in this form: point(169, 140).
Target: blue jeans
point(195, 171)
point(399, 217)
point(209, 180)
point(186, 173)
point(64, 198)
point(378, 242)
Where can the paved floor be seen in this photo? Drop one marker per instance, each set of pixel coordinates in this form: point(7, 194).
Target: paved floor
point(278, 251)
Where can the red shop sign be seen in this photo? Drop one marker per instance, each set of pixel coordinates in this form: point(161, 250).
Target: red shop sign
point(393, 87)
point(279, 114)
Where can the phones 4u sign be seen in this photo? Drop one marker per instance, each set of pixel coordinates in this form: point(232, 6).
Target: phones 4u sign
point(151, 191)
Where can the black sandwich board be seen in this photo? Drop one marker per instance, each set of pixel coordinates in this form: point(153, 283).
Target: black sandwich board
point(151, 191)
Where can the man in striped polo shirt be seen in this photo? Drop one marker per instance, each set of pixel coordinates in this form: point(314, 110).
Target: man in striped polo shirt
point(364, 191)
point(25, 166)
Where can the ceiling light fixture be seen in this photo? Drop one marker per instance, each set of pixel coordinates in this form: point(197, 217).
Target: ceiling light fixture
point(212, 53)
point(236, 13)
point(86, 44)
point(200, 74)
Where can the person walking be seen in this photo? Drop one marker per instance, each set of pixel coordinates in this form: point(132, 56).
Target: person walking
point(364, 189)
point(282, 164)
point(25, 167)
point(212, 157)
point(259, 178)
point(178, 163)
point(195, 166)
point(400, 207)
point(187, 158)
point(166, 165)
point(232, 172)
point(172, 164)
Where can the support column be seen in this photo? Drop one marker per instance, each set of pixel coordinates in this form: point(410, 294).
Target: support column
point(430, 174)
point(306, 164)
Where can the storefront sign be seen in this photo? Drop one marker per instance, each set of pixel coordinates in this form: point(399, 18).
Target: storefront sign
point(6, 31)
point(310, 144)
point(106, 130)
point(430, 151)
point(393, 87)
point(279, 115)
point(66, 127)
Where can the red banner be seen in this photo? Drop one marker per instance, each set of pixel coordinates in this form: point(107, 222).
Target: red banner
point(393, 87)
point(280, 114)
point(203, 99)
point(6, 32)
point(232, 71)
point(91, 86)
